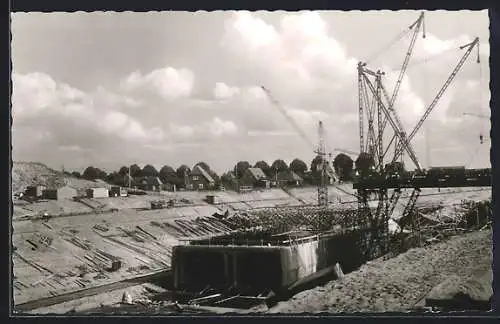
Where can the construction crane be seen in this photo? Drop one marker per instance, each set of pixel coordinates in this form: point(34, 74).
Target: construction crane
point(377, 110)
point(326, 171)
point(469, 47)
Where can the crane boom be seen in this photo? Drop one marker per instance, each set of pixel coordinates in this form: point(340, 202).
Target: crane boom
point(404, 139)
point(397, 132)
point(469, 47)
point(290, 119)
point(417, 26)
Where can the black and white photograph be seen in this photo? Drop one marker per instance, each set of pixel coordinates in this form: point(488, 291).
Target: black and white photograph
point(250, 162)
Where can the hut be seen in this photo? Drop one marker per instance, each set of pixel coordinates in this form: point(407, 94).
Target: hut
point(61, 193)
point(35, 191)
point(97, 193)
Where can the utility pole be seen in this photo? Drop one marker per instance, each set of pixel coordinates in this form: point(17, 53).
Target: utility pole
point(129, 177)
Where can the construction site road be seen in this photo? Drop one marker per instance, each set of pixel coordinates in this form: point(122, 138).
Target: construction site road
point(49, 301)
point(397, 284)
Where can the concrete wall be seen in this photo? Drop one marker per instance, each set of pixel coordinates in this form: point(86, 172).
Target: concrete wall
point(259, 267)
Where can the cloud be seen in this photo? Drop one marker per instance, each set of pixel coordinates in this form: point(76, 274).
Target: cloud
point(298, 55)
point(219, 127)
point(176, 104)
point(169, 83)
point(223, 91)
point(50, 115)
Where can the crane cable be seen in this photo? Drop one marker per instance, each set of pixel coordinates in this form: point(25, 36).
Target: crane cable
point(389, 45)
point(474, 155)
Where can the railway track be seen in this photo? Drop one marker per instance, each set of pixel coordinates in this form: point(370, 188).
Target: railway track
point(53, 300)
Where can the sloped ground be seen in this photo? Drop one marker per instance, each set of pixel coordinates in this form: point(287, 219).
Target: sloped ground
point(30, 173)
point(399, 283)
point(59, 256)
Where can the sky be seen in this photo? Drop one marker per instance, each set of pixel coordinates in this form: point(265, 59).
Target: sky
point(171, 88)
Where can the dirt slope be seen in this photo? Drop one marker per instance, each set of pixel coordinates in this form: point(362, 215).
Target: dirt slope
point(31, 173)
point(399, 283)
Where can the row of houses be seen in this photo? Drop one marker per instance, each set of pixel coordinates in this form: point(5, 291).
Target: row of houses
point(198, 179)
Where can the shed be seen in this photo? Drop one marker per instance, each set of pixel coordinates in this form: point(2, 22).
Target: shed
point(117, 191)
point(97, 193)
point(35, 191)
point(61, 193)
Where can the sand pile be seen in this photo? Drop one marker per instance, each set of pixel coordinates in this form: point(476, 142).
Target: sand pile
point(462, 293)
point(398, 284)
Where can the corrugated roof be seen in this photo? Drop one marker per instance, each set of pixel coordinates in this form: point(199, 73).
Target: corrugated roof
point(257, 173)
point(203, 172)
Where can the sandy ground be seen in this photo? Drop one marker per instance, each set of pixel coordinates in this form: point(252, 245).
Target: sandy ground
point(104, 299)
point(397, 284)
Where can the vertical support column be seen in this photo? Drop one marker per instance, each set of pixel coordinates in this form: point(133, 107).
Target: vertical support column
point(361, 103)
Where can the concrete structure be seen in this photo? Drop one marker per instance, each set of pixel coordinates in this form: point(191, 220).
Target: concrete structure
point(97, 193)
point(200, 179)
point(229, 262)
point(35, 191)
point(255, 177)
point(117, 191)
point(61, 193)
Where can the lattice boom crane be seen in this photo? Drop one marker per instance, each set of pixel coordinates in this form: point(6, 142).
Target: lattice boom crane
point(433, 104)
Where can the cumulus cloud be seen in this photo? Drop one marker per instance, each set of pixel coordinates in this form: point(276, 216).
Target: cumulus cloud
point(220, 127)
point(223, 91)
point(168, 82)
point(46, 112)
point(299, 53)
point(162, 113)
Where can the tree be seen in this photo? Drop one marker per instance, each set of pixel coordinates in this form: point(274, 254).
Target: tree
point(343, 165)
point(395, 167)
point(115, 178)
point(135, 170)
point(279, 166)
point(167, 174)
point(182, 171)
point(123, 171)
point(298, 166)
point(364, 162)
point(92, 173)
point(316, 165)
point(76, 174)
point(240, 168)
point(149, 171)
point(264, 167)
